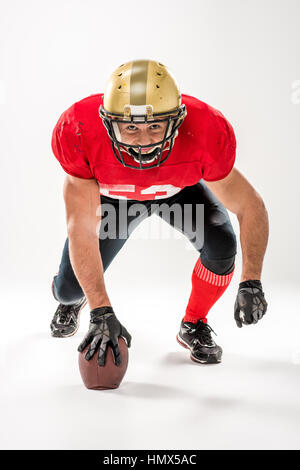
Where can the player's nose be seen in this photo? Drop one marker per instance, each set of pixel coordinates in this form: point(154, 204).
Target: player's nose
point(144, 139)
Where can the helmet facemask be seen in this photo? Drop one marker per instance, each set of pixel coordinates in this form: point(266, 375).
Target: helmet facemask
point(158, 152)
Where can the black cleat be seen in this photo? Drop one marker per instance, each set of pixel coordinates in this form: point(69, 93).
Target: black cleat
point(66, 319)
point(197, 338)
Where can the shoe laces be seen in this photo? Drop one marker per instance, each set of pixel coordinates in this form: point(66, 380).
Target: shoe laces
point(203, 332)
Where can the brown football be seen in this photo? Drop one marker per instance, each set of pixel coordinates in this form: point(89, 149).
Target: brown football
point(103, 377)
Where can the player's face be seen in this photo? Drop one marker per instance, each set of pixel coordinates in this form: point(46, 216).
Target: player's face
point(142, 134)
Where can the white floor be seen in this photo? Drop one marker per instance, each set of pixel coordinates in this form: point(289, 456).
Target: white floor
point(250, 401)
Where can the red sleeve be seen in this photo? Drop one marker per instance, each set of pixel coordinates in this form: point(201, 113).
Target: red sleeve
point(222, 149)
point(67, 145)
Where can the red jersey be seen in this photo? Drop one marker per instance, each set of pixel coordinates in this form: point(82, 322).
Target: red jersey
point(204, 148)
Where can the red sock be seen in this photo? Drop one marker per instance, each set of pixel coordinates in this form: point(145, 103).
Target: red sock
point(207, 287)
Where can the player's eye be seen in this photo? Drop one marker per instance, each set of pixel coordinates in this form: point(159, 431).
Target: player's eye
point(155, 127)
point(131, 128)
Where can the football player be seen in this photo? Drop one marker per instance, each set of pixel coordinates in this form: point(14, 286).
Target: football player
point(143, 143)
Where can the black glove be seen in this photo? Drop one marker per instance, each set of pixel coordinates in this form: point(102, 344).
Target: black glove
point(250, 304)
point(104, 331)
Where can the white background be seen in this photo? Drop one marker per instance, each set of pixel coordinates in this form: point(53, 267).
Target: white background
point(243, 59)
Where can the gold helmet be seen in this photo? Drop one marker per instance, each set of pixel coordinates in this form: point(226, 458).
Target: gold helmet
point(142, 91)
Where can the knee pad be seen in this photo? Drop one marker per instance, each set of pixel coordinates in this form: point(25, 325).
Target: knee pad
point(65, 294)
point(219, 243)
point(219, 266)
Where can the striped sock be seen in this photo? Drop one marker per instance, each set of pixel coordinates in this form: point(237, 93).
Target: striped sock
point(207, 288)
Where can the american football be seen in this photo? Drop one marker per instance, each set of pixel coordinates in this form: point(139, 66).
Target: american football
point(103, 377)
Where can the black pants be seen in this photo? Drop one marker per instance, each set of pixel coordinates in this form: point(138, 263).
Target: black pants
point(213, 237)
